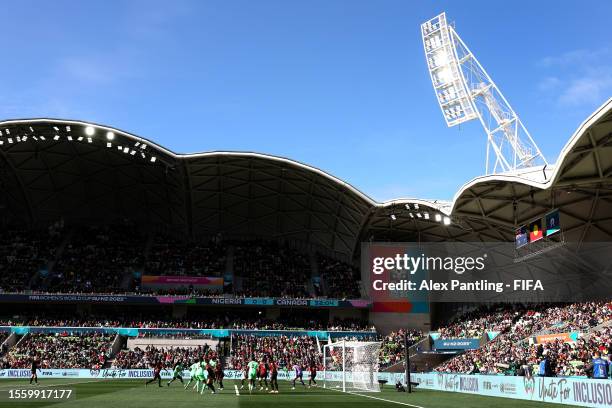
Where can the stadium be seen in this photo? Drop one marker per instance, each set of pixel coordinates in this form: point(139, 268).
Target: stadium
point(123, 262)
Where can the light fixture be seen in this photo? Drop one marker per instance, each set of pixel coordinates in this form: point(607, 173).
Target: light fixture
point(110, 136)
point(438, 217)
point(447, 221)
point(393, 217)
point(153, 158)
point(89, 131)
point(407, 206)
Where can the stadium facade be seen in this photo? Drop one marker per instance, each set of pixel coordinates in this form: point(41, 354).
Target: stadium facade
point(85, 173)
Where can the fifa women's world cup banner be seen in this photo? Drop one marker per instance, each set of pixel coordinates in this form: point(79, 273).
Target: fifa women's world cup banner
point(406, 277)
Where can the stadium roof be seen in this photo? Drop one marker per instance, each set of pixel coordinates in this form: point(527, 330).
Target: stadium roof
point(84, 172)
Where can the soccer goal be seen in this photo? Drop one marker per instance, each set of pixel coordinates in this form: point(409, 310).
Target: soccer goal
point(351, 366)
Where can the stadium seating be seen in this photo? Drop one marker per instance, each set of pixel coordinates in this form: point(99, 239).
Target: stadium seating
point(60, 350)
point(340, 279)
point(145, 358)
point(285, 350)
point(169, 256)
point(393, 351)
point(22, 254)
point(271, 270)
point(96, 259)
point(110, 259)
point(511, 349)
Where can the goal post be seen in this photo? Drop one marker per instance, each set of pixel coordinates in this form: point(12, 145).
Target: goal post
point(351, 366)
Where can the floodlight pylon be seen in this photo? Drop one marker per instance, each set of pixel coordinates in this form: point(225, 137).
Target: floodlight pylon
point(466, 92)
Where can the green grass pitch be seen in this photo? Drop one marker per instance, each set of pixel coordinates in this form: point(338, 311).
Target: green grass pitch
point(132, 393)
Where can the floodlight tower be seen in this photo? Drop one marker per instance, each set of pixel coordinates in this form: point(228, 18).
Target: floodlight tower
point(465, 92)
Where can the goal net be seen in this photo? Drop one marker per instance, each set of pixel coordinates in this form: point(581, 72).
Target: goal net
point(351, 366)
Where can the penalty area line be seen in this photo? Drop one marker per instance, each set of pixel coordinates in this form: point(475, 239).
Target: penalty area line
point(377, 398)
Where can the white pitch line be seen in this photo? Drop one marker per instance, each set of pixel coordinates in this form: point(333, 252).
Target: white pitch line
point(377, 398)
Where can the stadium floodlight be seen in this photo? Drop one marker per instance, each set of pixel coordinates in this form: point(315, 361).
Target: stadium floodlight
point(466, 92)
point(438, 217)
point(447, 220)
point(110, 135)
point(153, 159)
point(89, 131)
point(393, 217)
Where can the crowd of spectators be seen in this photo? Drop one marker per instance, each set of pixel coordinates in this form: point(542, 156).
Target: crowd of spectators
point(226, 320)
point(340, 280)
point(393, 351)
point(168, 356)
point(59, 350)
point(23, 253)
point(169, 256)
point(512, 349)
point(270, 269)
point(111, 259)
point(96, 259)
point(476, 322)
point(284, 350)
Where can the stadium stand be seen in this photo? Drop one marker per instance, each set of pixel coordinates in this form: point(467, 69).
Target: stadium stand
point(60, 350)
point(22, 254)
point(96, 258)
point(340, 279)
point(145, 358)
point(285, 350)
point(270, 269)
point(393, 351)
point(169, 256)
point(511, 349)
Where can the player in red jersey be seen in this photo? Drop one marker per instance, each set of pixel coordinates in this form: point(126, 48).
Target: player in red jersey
point(262, 373)
point(157, 367)
point(313, 373)
point(273, 377)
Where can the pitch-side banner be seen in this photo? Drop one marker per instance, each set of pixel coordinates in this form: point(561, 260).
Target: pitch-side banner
point(405, 276)
point(572, 391)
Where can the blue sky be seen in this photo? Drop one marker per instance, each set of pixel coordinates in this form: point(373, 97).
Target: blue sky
point(340, 85)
